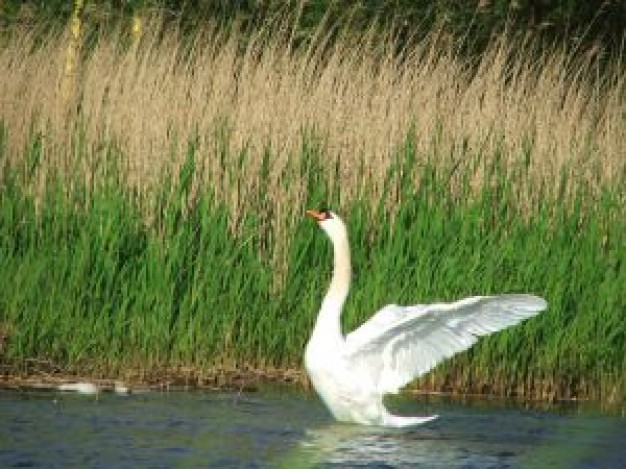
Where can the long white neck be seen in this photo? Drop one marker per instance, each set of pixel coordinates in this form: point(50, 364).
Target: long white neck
point(328, 321)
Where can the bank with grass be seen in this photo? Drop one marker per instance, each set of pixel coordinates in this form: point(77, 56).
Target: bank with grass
point(151, 212)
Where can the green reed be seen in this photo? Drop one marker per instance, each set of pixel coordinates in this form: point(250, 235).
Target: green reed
point(96, 277)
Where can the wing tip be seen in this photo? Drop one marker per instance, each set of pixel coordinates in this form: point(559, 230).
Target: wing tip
point(527, 302)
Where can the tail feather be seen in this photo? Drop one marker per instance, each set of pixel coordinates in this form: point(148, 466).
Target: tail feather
point(398, 421)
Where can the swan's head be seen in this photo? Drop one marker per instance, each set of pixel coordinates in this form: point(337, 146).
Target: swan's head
point(329, 222)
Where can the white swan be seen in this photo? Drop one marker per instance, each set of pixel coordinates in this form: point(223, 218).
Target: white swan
point(399, 343)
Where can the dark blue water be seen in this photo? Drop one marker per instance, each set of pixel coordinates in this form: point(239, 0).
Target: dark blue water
point(291, 429)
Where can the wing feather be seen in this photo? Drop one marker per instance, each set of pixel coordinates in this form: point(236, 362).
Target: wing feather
point(400, 343)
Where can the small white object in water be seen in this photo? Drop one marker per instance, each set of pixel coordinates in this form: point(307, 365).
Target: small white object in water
point(121, 388)
point(80, 388)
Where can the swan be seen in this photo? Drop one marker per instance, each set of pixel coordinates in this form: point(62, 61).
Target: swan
point(351, 374)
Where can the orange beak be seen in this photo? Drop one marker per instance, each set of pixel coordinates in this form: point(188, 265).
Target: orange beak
point(315, 215)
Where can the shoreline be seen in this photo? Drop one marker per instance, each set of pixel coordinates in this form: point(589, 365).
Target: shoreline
point(248, 380)
point(254, 380)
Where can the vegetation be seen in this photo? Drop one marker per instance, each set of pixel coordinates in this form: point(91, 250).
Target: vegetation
point(151, 212)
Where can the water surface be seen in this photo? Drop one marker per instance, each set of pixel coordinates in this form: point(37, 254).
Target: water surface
point(292, 429)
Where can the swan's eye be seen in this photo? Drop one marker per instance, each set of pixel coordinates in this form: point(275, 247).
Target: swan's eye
point(327, 215)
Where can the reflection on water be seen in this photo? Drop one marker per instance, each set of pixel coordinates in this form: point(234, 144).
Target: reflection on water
point(338, 445)
point(290, 429)
point(470, 438)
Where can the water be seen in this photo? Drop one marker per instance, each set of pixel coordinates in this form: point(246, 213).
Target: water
point(291, 429)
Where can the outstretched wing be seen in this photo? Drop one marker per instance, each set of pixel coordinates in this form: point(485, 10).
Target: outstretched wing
point(400, 343)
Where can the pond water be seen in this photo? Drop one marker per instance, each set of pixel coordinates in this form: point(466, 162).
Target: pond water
point(278, 428)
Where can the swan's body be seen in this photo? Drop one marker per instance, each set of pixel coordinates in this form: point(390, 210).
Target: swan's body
point(399, 343)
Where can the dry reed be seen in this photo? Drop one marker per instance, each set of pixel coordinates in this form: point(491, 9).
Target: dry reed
point(358, 96)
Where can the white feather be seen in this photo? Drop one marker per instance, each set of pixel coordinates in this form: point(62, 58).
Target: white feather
point(401, 343)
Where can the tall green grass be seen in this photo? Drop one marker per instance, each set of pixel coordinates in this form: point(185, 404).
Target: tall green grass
point(96, 277)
